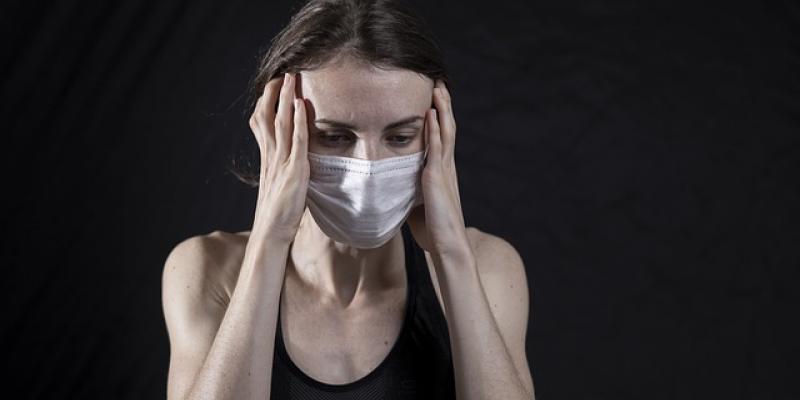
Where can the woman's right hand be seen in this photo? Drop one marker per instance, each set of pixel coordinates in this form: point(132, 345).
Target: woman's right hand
point(282, 137)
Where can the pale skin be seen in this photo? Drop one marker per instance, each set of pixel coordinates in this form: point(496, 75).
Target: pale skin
point(342, 307)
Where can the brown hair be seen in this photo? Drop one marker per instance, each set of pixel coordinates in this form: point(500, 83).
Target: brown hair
point(382, 33)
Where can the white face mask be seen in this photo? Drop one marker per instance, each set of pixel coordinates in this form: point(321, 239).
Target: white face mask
point(363, 203)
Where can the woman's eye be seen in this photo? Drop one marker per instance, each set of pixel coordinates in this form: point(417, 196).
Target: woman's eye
point(333, 139)
point(400, 139)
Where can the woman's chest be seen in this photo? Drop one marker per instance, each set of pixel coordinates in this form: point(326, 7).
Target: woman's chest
point(341, 347)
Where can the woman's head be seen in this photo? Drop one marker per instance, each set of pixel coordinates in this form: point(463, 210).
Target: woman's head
point(364, 63)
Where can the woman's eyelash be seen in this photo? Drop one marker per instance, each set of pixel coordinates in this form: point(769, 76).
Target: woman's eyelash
point(333, 136)
point(327, 135)
point(403, 139)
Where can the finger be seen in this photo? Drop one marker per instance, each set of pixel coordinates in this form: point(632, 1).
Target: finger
point(446, 119)
point(253, 121)
point(265, 114)
point(284, 118)
point(257, 124)
point(300, 136)
point(271, 92)
point(434, 139)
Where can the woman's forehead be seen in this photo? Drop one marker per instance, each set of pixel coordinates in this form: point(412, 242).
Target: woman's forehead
point(364, 95)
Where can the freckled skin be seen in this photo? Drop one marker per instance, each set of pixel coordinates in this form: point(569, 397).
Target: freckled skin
point(369, 98)
point(340, 303)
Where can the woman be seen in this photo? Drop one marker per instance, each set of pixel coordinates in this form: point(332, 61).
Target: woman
point(358, 279)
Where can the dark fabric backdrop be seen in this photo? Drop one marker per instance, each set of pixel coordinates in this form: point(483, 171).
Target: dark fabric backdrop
point(643, 158)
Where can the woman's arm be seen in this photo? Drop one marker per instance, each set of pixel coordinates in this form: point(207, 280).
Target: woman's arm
point(486, 331)
point(235, 360)
point(485, 295)
point(237, 364)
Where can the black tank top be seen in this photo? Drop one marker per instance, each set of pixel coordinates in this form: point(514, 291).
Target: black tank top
point(418, 366)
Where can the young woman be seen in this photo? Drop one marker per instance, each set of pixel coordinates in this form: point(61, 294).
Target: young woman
point(358, 279)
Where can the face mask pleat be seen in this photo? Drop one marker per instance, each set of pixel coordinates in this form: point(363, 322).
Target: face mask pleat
point(363, 202)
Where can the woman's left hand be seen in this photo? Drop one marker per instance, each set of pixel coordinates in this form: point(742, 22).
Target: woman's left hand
point(438, 224)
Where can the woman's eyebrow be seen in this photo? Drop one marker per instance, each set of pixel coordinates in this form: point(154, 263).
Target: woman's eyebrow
point(344, 125)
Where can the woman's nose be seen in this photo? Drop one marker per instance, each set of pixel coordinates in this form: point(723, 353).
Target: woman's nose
point(367, 150)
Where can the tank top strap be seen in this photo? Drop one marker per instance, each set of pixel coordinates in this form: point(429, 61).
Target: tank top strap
point(419, 276)
point(412, 261)
point(427, 302)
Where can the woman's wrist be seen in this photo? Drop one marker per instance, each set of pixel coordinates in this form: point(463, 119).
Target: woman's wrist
point(272, 232)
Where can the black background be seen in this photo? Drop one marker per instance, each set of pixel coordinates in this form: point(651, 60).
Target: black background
point(642, 157)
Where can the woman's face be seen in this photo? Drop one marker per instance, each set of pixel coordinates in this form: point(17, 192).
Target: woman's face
point(359, 111)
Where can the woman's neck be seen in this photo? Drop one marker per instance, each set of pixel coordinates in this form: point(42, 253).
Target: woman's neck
point(339, 273)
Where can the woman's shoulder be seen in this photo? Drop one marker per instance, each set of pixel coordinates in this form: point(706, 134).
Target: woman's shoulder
point(219, 249)
point(493, 254)
point(211, 260)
